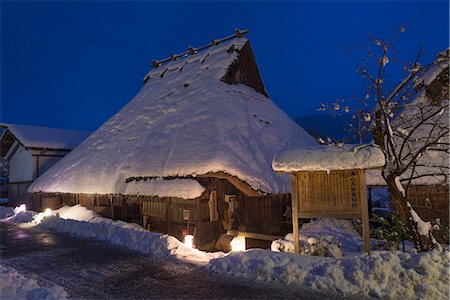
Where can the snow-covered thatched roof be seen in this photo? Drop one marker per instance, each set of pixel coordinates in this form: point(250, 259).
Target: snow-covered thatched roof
point(44, 137)
point(185, 122)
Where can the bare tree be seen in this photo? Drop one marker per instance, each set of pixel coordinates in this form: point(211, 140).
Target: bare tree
point(410, 122)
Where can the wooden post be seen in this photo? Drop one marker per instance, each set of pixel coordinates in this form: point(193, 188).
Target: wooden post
point(198, 224)
point(294, 205)
point(364, 212)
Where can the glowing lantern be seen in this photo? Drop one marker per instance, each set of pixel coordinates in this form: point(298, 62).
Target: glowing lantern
point(47, 212)
point(20, 208)
point(238, 243)
point(189, 240)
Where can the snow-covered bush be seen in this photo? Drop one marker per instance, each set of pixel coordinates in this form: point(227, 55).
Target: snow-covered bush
point(322, 247)
point(390, 232)
point(323, 237)
point(441, 233)
point(315, 246)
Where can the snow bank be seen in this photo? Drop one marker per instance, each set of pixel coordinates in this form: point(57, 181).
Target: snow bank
point(339, 236)
point(16, 286)
point(328, 158)
point(382, 274)
point(6, 211)
point(80, 221)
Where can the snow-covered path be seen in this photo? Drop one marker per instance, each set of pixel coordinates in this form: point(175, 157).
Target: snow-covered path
point(93, 269)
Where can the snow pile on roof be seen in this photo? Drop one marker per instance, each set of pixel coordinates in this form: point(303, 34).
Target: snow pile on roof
point(44, 137)
point(329, 158)
point(184, 122)
point(14, 285)
point(180, 188)
point(383, 274)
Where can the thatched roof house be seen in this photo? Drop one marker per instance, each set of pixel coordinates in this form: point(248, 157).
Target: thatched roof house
point(201, 127)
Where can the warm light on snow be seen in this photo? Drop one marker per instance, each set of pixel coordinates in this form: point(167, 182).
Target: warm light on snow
point(189, 240)
point(47, 212)
point(20, 208)
point(238, 243)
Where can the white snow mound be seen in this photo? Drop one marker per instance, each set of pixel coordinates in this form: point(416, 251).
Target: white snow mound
point(16, 286)
point(383, 274)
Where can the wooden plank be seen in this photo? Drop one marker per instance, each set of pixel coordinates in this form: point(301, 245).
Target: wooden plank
point(364, 212)
point(254, 235)
point(168, 201)
point(295, 201)
point(328, 214)
point(336, 192)
point(198, 219)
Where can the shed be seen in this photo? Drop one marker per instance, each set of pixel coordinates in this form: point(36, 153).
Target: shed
point(31, 151)
point(190, 153)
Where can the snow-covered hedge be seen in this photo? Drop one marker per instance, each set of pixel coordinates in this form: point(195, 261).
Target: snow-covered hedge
point(16, 286)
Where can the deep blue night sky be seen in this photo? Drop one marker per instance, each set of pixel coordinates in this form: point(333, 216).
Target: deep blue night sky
point(74, 64)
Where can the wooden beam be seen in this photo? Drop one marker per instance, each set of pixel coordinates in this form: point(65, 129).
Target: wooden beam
point(294, 205)
point(364, 212)
point(253, 235)
point(239, 184)
point(339, 215)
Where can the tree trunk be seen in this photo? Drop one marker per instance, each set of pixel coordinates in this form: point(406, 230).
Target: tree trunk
point(421, 242)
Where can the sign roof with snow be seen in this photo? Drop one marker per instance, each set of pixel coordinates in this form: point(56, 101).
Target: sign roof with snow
point(329, 158)
point(203, 113)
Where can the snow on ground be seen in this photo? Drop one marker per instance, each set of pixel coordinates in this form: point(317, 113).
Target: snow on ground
point(80, 221)
point(382, 274)
point(16, 286)
point(334, 232)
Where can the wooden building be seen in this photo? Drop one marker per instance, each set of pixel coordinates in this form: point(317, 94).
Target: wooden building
point(191, 153)
point(32, 150)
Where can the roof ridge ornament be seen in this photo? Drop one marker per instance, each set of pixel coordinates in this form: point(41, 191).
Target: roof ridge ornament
point(191, 50)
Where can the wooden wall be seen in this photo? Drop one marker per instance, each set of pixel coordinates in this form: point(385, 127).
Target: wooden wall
point(176, 216)
point(430, 202)
point(17, 192)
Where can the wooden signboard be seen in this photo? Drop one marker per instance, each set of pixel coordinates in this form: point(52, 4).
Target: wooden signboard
point(338, 194)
